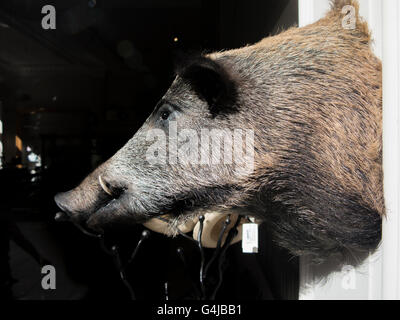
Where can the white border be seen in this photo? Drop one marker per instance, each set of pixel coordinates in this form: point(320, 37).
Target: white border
point(391, 151)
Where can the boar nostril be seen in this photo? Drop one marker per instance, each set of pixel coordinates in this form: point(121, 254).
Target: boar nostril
point(112, 191)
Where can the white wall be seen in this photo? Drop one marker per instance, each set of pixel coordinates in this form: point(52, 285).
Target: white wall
point(379, 276)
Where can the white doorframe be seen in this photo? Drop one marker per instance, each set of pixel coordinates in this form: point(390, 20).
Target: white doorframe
point(379, 276)
point(391, 144)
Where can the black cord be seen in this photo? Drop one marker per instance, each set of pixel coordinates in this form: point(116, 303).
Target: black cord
point(181, 255)
point(203, 272)
point(122, 275)
point(218, 247)
point(118, 263)
point(232, 233)
point(202, 260)
point(145, 235)
point(60, 216)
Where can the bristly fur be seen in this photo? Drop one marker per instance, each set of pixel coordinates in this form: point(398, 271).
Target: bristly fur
point(320, 168)
point(211, 81)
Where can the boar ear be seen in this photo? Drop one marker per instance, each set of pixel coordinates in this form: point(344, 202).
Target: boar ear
point(211, 82)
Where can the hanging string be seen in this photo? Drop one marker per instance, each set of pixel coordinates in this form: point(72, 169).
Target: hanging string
point(231, 234)
point(203, 272)
point(145, 235)
point(122, 274)
point(218, 247)
point(112, 252)
point(181, 255)
point(202, 258)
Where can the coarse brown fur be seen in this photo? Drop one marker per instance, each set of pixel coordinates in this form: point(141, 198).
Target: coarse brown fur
point(321, 165)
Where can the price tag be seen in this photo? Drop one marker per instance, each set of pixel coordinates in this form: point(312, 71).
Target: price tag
point(250, 238)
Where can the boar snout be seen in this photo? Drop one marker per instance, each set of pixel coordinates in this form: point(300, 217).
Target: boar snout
point(75, 205)
point(100, 198)
point(92, 194)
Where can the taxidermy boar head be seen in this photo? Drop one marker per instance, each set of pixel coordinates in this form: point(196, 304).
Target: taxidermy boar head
point(287, 130)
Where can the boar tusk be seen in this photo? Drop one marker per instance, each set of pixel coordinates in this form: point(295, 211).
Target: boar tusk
point(104, 186)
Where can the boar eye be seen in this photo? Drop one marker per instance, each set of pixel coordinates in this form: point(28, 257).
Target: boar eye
point(165, 111)
point(165, 114)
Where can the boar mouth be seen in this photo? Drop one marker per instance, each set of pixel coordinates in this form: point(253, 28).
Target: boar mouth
point(108, 213)
point(85, 210)
point(98, 205)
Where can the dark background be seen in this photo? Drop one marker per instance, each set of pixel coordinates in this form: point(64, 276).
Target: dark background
point(70, 98)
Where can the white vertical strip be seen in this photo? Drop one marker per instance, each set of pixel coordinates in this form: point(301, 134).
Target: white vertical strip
point(391, 148)
point(312, 10)
point(306, 12)
point(371, 11)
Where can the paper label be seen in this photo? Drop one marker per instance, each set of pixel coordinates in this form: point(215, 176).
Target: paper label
point(250, 238)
